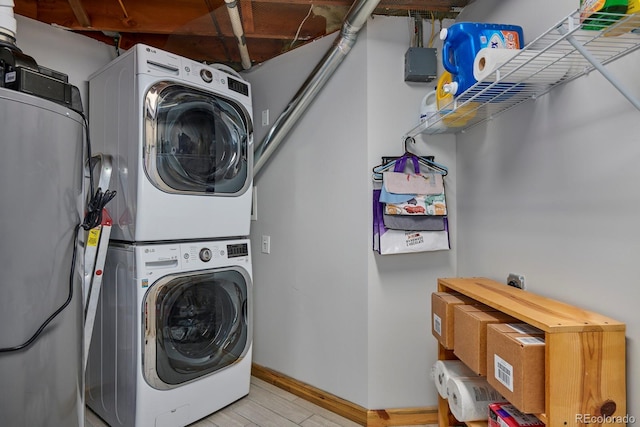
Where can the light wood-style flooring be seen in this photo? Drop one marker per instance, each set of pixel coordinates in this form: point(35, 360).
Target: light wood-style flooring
point(265, 406)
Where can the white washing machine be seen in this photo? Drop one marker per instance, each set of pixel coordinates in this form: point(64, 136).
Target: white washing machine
point(172, 338)
point(181, 137)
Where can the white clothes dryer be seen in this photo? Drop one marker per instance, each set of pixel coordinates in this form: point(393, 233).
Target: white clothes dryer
point(172, 339)
point(181, 137)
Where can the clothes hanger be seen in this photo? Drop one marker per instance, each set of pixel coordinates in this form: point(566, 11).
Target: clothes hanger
point(427, 161)
point(389, 162)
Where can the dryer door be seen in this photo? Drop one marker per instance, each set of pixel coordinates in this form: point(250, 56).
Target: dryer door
point(196, 142)
point(195, 324)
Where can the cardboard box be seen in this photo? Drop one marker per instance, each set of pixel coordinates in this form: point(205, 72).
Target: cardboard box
point(515, 365)
point(442, 304)
point(470, 334)
point(504, 414)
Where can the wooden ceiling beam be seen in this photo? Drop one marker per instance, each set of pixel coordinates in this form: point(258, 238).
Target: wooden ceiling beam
point(246, 12)
point(200, 48)
point(201, 29)
point(262, 35)
point(80, 13)
point(124, 9)
point(280, 24)
point(426, 5)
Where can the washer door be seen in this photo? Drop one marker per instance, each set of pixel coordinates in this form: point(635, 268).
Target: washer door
point(196, 142)
point(195, 324)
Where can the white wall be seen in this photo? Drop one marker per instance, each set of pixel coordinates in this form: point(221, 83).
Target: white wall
point(401, 348)
point(310, 291)
point(550, 189)
point(75, 55)
point(328, 311)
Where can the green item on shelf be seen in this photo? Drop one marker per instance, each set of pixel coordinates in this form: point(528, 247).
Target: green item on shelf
point(599, 14)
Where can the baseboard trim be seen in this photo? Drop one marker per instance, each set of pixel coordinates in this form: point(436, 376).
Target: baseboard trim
point(402, 417)
point(344, 408)
point(314, 395)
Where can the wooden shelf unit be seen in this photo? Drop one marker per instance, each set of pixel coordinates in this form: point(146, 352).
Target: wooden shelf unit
point(584, 353)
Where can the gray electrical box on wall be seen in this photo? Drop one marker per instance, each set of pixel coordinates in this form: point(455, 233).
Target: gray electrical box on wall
point(420, 64)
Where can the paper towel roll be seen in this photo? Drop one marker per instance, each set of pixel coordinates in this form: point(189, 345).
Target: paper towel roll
point(442, 370)
point(469, 398)
point(520, 65)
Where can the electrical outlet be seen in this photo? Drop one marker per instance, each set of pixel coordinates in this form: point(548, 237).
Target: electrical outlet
point(266, 244)
point(265, 117)
point(516, 280)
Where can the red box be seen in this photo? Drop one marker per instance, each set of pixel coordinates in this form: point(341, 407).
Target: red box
point(506, 415)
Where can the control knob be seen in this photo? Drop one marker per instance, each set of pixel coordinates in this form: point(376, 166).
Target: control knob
point(206, 75)
point(205, 254)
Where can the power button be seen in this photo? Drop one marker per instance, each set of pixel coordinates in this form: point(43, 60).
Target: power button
point(206, 75)
point(205, 254)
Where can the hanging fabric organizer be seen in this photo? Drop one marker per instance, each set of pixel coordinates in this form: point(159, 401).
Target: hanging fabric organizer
point(409, 208)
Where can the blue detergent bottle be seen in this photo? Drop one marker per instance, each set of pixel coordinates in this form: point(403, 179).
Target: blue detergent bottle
point(462, 42)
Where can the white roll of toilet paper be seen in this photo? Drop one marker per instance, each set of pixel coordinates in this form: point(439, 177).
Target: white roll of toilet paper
point(469, 398)
point(442, 370)
point(516, 66)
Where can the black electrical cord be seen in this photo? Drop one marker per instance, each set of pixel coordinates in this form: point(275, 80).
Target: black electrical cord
point(98, 199)
point(93, 218)
point(30, 341)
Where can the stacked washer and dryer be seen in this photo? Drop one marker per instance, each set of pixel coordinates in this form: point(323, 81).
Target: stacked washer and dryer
point(173, 332)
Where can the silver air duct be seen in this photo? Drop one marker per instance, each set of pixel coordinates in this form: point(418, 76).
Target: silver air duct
point(238, 31)
point(353, 23)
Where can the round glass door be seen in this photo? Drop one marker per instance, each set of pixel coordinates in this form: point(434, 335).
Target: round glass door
point(195, 325)
point(196, 142)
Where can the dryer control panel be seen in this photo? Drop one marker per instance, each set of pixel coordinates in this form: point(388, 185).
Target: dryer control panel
point(215, 77)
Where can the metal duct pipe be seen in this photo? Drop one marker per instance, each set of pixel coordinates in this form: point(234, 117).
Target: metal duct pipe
point(238, 31)
point(353, 23)
point(7, 22)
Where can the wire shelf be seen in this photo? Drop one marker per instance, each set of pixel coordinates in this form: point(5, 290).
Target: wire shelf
point(568, 50)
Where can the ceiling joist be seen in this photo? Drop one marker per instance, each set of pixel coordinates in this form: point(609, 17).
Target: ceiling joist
point(80, 13)
point(201, 29)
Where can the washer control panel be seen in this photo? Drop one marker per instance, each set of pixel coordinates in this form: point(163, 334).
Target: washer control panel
point(214, 254)
point(161, 259)
point(238, 250)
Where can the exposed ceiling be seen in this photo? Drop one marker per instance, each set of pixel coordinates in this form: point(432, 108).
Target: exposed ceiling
point(202, 30)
